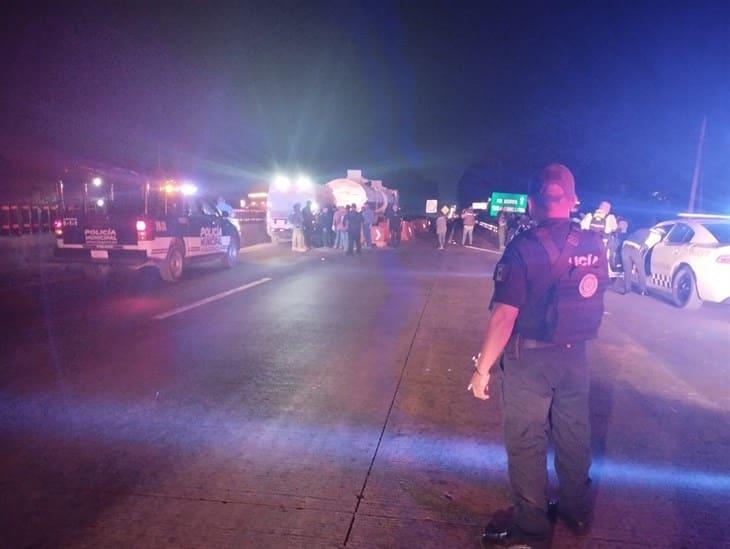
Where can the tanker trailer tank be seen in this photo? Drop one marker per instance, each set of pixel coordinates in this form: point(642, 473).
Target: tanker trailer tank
point(347, 191)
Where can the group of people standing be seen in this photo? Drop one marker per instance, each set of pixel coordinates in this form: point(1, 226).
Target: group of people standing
point(510, 225)
point(344, 227)
point(628, 252)
point(468, 219)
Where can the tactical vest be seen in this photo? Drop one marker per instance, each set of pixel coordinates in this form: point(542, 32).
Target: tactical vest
point(598, 224)
point(577, 282)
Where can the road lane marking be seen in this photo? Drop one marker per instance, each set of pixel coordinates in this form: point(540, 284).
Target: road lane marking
point(216, 297)
point(483, 250)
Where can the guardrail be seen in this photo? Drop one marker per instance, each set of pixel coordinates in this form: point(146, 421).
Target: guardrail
point(488, 226)
point(19, 219)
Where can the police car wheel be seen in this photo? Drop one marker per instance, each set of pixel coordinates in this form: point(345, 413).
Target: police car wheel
point(231, 257)
point(171, 269)
point(684, 289)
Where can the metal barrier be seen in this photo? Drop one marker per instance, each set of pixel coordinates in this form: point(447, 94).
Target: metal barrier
point(488, 226)
point(18, 219)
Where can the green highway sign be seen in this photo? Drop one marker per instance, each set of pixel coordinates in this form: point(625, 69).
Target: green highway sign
point(506, 202)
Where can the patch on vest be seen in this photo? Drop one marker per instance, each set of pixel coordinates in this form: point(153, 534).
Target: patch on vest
point(588, 285)
point(500, 273)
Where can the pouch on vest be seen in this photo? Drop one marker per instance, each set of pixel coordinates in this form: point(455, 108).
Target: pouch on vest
point(575, 296)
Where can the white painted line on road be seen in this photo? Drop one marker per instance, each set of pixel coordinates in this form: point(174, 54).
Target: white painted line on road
point(484, 250)
point(216, 297)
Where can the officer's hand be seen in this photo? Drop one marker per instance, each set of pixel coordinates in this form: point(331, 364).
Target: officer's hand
point(479, 385)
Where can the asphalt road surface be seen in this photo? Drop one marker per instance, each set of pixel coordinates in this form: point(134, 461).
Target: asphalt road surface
point(319, 400)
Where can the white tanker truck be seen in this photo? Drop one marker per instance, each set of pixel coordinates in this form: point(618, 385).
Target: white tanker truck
point(355, 189)
point(284, 192)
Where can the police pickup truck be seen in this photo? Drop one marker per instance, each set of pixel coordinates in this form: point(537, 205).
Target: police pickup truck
point(131, 226)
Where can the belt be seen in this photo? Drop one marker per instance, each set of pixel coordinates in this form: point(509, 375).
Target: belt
point(537, 344)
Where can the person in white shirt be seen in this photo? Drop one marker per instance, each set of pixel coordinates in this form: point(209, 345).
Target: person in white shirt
point(441, 226)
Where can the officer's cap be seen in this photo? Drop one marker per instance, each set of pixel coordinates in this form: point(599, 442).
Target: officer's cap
point(552, 184)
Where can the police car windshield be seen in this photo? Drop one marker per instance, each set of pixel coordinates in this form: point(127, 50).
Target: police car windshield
point(721, 231)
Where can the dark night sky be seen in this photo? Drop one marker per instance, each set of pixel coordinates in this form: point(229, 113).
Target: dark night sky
point(617, 91)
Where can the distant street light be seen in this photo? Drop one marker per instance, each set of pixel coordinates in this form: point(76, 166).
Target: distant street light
point(97, 181)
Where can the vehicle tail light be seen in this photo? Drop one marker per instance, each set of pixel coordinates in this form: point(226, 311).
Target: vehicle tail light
point(58, 227)
point(144, 230)
point(724, 259)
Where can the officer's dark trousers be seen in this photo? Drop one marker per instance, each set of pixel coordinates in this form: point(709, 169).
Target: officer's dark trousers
point(544, 392)
point(631, 257)
point(353, 240)
point(395, 235)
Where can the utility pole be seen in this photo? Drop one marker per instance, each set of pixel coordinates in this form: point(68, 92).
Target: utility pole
point(698, 162)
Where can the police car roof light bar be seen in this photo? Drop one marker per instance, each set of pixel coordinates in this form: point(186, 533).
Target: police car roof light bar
point(703, 216)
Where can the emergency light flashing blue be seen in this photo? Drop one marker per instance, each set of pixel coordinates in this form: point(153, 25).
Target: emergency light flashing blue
point(635, 473)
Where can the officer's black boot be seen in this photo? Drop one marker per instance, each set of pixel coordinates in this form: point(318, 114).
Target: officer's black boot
point(577, 527)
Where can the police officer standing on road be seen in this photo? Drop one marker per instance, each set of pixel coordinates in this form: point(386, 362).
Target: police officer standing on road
point(548, 300)
point(633, 256)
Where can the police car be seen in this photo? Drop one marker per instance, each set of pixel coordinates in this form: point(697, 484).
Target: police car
point(134, 224)
point(691, 263)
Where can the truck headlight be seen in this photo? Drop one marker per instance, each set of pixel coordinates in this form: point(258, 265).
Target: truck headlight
point(282, 183)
